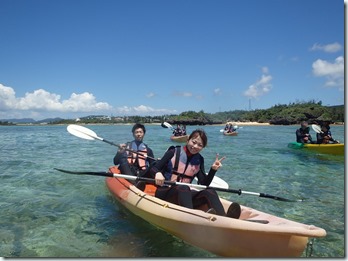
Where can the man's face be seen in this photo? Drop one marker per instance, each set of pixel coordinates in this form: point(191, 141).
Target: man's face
point(138, 134)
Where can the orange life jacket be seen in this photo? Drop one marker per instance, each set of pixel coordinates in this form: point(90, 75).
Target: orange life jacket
point(181, 170)
point(137, 159)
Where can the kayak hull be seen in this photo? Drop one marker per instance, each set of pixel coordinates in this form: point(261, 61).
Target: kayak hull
point(334, 149)
point(183, 138)
point(220, 235)
point(234, 133)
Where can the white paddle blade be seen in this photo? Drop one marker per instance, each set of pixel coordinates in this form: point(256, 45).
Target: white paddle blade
point(217, 182)
point(81, 132)
point(222, 130)
point(316, 128)
point(167, 125)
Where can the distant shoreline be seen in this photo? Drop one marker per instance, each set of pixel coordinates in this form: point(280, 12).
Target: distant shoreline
point(249, 123)
point(238, 123)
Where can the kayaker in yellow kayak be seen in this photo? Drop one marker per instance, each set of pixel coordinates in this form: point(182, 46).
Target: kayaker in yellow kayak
point(325, 136)
point(183, 164)
point(302, 134)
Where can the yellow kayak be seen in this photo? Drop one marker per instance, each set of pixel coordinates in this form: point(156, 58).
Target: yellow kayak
point(334, 149)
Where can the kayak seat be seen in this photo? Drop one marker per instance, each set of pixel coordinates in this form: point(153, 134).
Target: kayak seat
point(114, 169)
point(150, 189)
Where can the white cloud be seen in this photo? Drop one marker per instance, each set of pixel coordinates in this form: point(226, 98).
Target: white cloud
point(188, 95)
point(217, 91)
point(7, 98)
point(265, 70)
point(329, 48)
point(183, 94)
point(294, 59)
point(39, 100)
point(43, 102)
point(150, 95)
point(260, 87)
point(142, 110)
point(332, 72)
point(85, 102)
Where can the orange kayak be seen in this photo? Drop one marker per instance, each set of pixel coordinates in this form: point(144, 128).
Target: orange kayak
point(234, 133)
point(183, 138)
point(254, 234)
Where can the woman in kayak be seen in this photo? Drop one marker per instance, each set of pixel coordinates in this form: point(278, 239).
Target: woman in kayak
point(183, 164)
point(325, 136)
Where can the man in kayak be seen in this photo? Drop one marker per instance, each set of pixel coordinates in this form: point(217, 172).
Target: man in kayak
point(134, 157)
point(302, 134)
point(177, 131)
point(183, 164)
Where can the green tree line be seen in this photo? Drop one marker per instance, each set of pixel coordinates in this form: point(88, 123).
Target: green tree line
point(280, 114)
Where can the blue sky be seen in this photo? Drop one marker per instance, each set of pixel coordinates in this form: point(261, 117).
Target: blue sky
point(72, 58)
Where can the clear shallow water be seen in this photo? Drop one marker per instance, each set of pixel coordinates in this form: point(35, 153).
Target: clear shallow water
point(45, 213)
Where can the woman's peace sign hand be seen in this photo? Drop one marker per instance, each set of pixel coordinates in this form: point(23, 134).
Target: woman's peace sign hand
point(217, 163)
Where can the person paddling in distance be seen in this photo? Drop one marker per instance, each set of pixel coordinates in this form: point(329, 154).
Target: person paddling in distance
point(177, 131)
point(131, 163)
point(231, 128)
point(183, 164)
point(302, 134)
point(227, 126)
point(183, 130)
point(325, 136)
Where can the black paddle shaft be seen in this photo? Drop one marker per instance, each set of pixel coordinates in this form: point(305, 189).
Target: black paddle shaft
point(152, 181)
point(109, 174)
point(139, 153)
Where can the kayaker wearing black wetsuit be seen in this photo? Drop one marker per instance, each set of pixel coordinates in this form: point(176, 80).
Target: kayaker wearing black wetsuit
point(325, 136)
point(132, 163)
point(177, 131)
point(302, 134)
point(183, 164)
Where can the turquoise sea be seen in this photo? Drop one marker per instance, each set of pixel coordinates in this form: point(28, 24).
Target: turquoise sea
point(46, 213)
